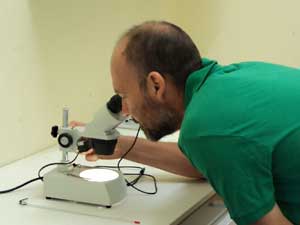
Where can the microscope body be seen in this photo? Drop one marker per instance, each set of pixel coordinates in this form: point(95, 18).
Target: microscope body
point(65, 181)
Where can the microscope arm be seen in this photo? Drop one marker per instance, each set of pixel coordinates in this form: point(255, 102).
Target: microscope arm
point(99, 134)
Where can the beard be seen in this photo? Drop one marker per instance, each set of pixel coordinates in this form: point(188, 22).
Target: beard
point(159, 119)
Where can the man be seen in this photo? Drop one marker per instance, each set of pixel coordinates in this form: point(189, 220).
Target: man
point(239, 124)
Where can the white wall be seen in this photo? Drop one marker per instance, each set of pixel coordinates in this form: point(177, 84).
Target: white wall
point(23, 94)
point(57, 52)
point(238, 30)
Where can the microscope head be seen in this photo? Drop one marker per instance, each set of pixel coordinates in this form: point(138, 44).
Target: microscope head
point(99, 134)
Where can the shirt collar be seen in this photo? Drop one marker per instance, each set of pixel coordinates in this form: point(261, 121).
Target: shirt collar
point(197, 78)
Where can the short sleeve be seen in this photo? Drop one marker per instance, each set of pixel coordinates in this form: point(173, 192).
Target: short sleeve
point(239, 170)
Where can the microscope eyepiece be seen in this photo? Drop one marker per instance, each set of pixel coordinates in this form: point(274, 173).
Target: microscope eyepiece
point(115, 104)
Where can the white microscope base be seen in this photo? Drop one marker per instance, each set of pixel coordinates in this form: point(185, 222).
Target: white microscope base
point(68, 185)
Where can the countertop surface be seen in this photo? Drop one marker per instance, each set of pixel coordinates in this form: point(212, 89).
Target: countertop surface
point(176, 198)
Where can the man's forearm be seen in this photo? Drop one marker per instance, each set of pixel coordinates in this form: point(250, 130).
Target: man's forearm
point(163, 155)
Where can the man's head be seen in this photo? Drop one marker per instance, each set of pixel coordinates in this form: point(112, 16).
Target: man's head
point(149, 68)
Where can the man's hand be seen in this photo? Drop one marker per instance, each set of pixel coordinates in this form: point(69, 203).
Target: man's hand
point(163, 155)
point(274, 217)
point(76, 124)
point(122, 146)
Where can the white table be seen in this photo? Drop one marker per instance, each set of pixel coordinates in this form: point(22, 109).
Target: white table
point(177, 197)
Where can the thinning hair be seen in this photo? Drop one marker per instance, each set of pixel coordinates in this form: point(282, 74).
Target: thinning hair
point(162, 47)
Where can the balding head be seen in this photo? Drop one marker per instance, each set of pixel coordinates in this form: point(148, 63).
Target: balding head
point(162, 47)
point(149, 68)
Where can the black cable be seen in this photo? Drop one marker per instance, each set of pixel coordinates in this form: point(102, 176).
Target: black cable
point(130, 148)
point(146, 192)
point(115, 167)
point(135, 180)
point(129, 183)
point(57, 163)
point(39, 176)
point(132, 183)
point(15, 188)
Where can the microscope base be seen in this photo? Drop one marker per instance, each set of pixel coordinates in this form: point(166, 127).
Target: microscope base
point(68, 185)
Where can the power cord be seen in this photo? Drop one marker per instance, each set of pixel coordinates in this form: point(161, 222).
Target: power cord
point(57, 163)
point(39, 176)
point(142, 171)
point(128, 183)
point(22, 185)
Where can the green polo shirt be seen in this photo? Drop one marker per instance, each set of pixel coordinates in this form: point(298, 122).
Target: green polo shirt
point(241, 129)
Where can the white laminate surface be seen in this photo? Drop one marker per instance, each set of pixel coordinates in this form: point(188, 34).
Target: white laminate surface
point(177, 197)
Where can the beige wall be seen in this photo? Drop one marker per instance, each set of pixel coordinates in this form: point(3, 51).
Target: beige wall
point(238, 30)
point(23, 94)
point(56, 52)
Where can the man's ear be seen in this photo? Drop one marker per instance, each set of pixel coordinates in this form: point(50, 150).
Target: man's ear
point(156, 85)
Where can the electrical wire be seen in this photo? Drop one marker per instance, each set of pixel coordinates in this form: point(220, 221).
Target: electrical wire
point(139, 175)
point(146, 192)
point(131, 183)
point(21, 185)
point(130, 148)
point(37, 178)
point(142, 172)
point(57, 163)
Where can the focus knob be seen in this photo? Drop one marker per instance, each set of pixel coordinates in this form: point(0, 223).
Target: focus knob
point(54, 131)
point(65, 140)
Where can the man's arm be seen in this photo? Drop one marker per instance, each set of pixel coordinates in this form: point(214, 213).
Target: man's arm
point(274, 217)
point(163, 155)
point(167, 156)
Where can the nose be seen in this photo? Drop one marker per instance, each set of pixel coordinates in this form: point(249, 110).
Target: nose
point(125, 111)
